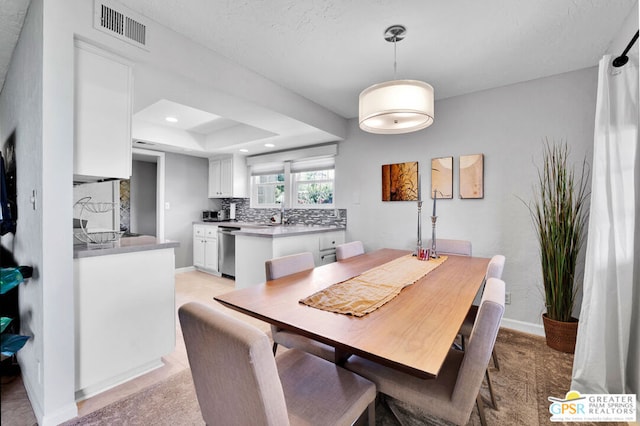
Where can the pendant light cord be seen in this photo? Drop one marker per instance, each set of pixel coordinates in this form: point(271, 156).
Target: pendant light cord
point(395, 33)
point(395, 56)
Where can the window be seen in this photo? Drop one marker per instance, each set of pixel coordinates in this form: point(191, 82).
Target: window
point(297, 178)
point(313, 188)
point(300, 184)
point(268, 190)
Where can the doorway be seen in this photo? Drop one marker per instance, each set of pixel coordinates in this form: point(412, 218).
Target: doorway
point(142, 200)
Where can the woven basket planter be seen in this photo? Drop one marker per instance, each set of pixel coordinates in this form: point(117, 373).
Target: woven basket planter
point(560, 335)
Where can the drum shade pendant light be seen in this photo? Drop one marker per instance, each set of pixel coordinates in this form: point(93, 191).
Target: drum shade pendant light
point(398, 106)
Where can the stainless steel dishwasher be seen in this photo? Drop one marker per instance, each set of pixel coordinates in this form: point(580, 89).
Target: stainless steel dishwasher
point(227, 250)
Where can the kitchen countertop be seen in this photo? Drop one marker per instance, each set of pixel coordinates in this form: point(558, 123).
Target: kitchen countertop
point(125, 245)
point(235, 224)
point(252, 229)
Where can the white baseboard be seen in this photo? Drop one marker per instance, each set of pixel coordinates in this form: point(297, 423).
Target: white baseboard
point(185, 269)
point(61, 415)
point(33, 396)
point(105, 385)
point(525, 327)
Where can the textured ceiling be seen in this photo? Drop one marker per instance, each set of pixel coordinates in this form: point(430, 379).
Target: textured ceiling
point(329, 50)
point(12, 13)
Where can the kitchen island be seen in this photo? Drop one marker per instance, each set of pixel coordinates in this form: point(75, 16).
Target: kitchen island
point(257, 244)
point(124, 311)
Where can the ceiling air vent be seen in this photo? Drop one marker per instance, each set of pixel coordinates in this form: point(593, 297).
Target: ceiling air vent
point(120, 23)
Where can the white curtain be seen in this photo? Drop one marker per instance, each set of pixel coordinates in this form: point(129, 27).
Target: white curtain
point(607, 356)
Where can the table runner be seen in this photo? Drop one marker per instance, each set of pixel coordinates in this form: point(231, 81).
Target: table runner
point(368, 291)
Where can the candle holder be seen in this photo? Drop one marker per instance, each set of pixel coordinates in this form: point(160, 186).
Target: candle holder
point(419, 242)
point(434, 252)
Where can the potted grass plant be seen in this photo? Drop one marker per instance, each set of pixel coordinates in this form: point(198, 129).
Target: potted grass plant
point(559, 213)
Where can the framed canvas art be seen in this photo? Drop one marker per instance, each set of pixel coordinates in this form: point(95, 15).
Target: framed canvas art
point(472, 176)
point(400, 182)
point(442, 177)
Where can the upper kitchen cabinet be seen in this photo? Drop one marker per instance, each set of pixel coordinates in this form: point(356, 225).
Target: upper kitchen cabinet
point(227, 177)
point(103, 105)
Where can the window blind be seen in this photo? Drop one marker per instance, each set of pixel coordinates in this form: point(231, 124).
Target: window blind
point(326, 163)
point(267, 169)
point(321, 157)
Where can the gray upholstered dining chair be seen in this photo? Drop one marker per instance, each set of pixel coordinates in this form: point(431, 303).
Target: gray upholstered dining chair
point(239, 382)
point(281, 267)
point(445, 246)
point(494, 270)
point(453, 393)
point(347, 250)
point(286, 265)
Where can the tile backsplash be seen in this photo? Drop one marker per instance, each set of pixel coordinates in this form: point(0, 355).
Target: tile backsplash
point(326, 217)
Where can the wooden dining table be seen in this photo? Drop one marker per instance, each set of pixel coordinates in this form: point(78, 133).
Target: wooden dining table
point(412, 333)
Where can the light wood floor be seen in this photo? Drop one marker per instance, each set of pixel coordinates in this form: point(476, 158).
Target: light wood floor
point(190, 286)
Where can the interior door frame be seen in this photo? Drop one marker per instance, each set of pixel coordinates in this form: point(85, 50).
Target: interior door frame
point(158, 158)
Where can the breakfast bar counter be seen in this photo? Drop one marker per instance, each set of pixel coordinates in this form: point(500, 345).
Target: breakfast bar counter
point(254, 246)
point(124, 311)
point(124, 245)
point(280, 231)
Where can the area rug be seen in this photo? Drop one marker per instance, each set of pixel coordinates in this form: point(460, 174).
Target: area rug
point(529, 373)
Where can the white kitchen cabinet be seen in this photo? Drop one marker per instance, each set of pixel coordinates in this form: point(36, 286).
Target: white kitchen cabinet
point(103, 106)
point(211, 249)
point(327, 246)
point(198, 246)
point(205, 248)
point(228, 177)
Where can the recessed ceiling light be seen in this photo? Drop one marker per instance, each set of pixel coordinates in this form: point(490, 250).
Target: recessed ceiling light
point(269, 145)
point(244, 150)
point(171, 119)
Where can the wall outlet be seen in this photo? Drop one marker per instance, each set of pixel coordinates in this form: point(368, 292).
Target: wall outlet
point(507, 298)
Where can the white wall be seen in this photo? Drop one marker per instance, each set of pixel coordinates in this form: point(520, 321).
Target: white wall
point(40, 73)
point(186, 192)
point(21, 113)
point(507, 125)
point(57, 193)
point(627, 30)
